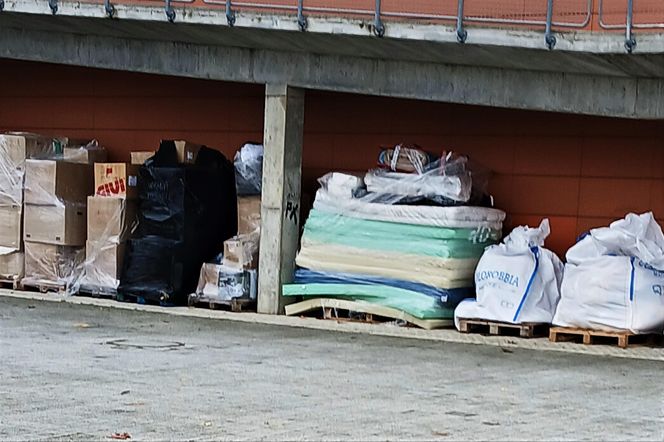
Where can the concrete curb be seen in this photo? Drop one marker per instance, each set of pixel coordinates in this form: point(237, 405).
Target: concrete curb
point(541, 344)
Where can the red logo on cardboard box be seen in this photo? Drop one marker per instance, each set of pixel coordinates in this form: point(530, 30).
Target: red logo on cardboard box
point(118, 187)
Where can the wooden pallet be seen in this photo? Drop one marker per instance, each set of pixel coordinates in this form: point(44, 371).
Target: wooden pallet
point(526, 330)
point(623, 338)
point(361, 312)
point(234, 305)
point(11, 283)
point(44, 286)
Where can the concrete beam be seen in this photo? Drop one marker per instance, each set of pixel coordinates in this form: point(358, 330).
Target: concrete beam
point(521, 89)
point(280, 204)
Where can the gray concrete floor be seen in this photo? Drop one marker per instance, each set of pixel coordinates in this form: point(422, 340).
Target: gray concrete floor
point(72, 372)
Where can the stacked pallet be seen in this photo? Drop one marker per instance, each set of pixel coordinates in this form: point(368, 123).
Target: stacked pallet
point(14, 149)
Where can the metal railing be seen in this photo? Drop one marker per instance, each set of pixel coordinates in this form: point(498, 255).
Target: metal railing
point(548, 15)
point(638, 14)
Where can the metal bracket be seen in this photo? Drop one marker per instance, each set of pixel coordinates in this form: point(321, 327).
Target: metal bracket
point(109, 8)
point(53, 4)
point(230, 15)
point(461, 33)
point(379, 27)
point(301, 19)
point(549, 38)
point(630, 41)
point(170, 12)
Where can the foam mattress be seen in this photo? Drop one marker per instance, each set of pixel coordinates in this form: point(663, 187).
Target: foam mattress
point(453, 217)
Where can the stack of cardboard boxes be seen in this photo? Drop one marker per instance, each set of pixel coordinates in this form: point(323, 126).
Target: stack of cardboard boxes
point(14, 149)
point(111, 219)
point(54, 227)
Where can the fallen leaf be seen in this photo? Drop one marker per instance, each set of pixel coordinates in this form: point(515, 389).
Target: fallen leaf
point(506, 350)
point(207, 424)
point(121, 436)
point(491, 424)
point(31, 307)
point(440, 433)
point(124, 392)
point(82, 325)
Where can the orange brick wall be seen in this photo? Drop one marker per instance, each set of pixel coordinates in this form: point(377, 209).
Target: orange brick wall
point(580, 172)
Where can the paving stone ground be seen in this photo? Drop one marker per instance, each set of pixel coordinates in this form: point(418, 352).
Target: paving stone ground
point(76, 372)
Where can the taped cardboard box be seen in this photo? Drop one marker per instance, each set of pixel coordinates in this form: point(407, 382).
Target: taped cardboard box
point(14, 149)
point(53, 263)
point(111, 219)
point(241, 252)
point(12, 265)
point(50, 181)
point(248, 214)
point(139, 158)
point(10, 227)
point(103, 264)
point(221, 283)
point(64, 224)
point(85, 152)
point(116, 180)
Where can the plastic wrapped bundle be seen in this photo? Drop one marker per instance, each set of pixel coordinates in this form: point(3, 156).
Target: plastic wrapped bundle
point(191, 209)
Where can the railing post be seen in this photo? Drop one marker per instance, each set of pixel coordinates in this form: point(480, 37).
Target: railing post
point(230, 15)
point(170, 12)
point(379, 27)
point(461, 33)
point(630, 42)
point(549, 38)
point(301, 19)
point(53, 4)
point(109, 8)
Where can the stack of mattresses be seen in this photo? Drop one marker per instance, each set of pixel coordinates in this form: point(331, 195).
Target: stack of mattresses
point(419, 259)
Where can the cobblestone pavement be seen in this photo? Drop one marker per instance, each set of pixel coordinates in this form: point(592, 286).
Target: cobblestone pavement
point(72, 372)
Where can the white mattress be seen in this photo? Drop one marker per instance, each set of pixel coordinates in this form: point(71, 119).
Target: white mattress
point(454, 217)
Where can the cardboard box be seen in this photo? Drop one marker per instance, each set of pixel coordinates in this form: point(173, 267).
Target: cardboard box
point(50, 181)
point(116, 179)
point(84, 153)
point(187, 152)
point(221, 283)
point(10, 227)
point(62, 225)
point(241, 252)
point(16, 147)
point(111, 219)
point(139, 158)
point(248, 214)
point(49, 262)
point(12, 265)
point(103, 264)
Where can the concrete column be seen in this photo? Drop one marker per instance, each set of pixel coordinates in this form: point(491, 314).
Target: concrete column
point(280, 207)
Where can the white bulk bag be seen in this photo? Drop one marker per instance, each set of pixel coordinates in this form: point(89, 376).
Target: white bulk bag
point(613, 278)
point(517, 281)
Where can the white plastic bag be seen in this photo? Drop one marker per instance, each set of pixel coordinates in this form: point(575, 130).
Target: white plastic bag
point(517, 281)
point(613, 278)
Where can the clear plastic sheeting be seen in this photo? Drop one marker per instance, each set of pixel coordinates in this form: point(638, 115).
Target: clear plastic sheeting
point(111, 221)
point(517, 281)
point(49, 264)
point(614, 278)
point(453, 217)
point(403, 158)
point(248, 164)
point(219, 283)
